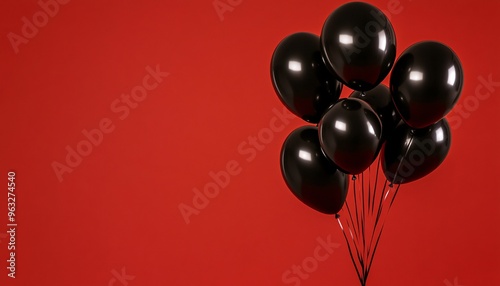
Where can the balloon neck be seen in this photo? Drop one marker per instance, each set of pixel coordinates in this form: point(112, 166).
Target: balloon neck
point(391, 185)
point(354, 177)
point(337, 216)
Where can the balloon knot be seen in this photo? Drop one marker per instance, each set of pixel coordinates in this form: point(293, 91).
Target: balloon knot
point(337, 216)
point(391, 185)
point(354, 177)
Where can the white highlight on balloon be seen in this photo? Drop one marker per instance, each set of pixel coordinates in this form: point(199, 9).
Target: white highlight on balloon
point(416, 75)
point(345, 39)
point(452, 75)
point(370, 128)
point(295, 66)
point(382, 41)
point(305, 155)
point(340, 125)
point(439, 134)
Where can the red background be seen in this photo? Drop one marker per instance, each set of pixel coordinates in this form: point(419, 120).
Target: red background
point(120, 206)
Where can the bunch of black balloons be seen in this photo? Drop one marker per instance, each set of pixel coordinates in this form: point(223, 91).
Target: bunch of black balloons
point(404, 123)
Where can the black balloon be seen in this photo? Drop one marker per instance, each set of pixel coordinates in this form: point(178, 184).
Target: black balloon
point(309, 174)
point(350, 134)
point(380, 101)
point(415, 152)
point(359, 45)
point(300, 78)
point(426, 82)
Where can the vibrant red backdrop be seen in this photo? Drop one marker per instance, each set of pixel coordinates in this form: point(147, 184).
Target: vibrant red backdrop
point(115, 219)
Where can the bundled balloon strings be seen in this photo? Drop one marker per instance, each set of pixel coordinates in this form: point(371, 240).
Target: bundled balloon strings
point(308, 73)
point(363, 224)
point(366, 222)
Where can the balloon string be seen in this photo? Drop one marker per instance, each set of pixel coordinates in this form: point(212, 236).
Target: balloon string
point(371, 207)
point(350, 251)
point(357, 248)
point(350, 216)
point(359, 200)
point(374, 223)
point(394, 197)
point(357, 226)
point(379, 211)
point(377, 232)
point(401, 161)
point(358, 211)
point(353, 241)
point(381, 230)
point(363, 218)
point(356, 206)
point(367, 209)
point(376, 182)
point(370, 210)
point(363, 203)
point(377, 219)
point(380, 203)
point(373, 253)
point(369, 188)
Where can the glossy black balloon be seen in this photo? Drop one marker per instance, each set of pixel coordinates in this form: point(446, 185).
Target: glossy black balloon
point(426, 82)
point(350, 135)
point(300, 78)
point(309, 174)
point(359, 45)
point(380, 101)
point(418, 151)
